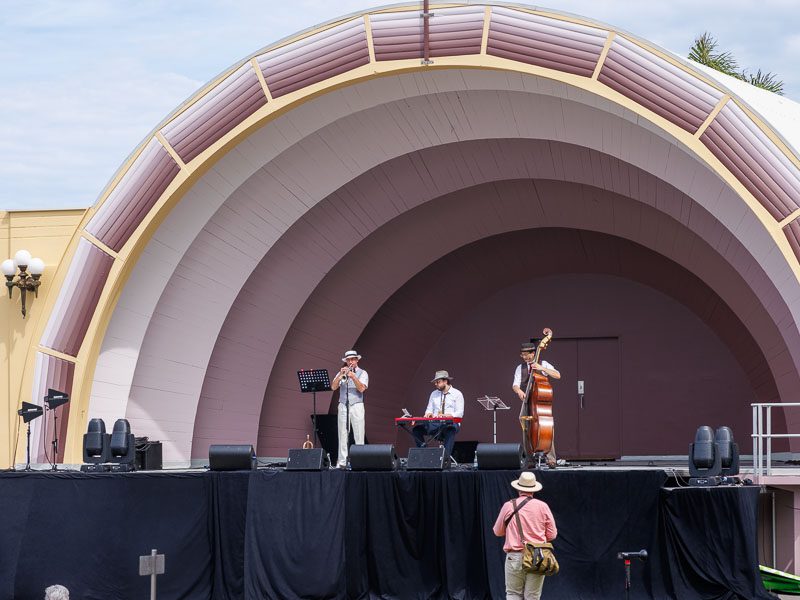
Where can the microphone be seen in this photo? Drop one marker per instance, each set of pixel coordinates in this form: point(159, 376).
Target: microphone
point(640, 555)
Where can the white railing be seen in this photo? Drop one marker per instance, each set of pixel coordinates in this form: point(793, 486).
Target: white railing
point(762, 419)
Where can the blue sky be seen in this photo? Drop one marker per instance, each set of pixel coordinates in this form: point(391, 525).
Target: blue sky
point(82, 82)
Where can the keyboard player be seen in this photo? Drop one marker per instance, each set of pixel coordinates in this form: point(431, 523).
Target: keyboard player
point(445, 402)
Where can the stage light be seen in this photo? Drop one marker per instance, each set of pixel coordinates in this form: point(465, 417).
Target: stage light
point(705, 464)
point(123, 447)
point(728, 451)
point(96, 447)
point(27, 279)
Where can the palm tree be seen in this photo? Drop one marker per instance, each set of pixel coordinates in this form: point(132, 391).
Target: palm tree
point(704, 51)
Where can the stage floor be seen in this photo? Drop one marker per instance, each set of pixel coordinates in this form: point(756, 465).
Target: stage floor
point(272, 533)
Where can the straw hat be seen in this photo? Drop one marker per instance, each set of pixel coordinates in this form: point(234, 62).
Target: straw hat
point(526, 482)
point(351, 354)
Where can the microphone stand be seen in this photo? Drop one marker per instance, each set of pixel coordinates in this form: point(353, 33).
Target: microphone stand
point(347, 418)
point(55, 441)
point(28, 449)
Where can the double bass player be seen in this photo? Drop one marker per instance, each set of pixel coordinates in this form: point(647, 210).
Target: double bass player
point(525, 370)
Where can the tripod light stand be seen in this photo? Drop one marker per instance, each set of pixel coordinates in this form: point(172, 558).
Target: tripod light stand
point(29, 412)
point(52, 401)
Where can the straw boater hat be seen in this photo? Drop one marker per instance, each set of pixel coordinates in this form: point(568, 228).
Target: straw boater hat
point(351, 354)
point(441, 375)
point(526, 482)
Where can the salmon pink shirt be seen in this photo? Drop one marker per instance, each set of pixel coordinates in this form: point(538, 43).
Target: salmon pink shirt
point(537, 523)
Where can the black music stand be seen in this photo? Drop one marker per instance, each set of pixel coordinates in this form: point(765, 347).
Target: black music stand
point(314, 380)
point(493, 404)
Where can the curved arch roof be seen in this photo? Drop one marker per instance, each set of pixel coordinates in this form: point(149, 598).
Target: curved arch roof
point(559, 57)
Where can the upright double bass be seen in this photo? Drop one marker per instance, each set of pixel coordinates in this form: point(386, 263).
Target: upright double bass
point(536, 413)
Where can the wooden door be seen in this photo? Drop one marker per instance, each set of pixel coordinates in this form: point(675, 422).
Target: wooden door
point(587, 425)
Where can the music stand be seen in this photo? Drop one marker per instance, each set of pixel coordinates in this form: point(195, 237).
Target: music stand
point(493, 404)
point(314, 380)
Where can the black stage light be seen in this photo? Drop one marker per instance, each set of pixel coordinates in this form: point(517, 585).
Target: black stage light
point(96, 447)
point(705, 463)
point(306, 459)
point(427, 459)
point(231, 457)
point(728, 451)
point(373, 457)
point(123, 447)
point(499, 456)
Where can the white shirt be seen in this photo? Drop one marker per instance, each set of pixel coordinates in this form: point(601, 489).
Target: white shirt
point(518, 372)
point(453, 403)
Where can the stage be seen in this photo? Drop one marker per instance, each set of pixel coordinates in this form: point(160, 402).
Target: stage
point(338, 534)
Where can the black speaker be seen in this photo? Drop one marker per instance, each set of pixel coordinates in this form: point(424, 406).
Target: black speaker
point(427, 459)
point(306, 459)
point(148, 456)
point(499, 456)
point(231, 457)
point(373, 457)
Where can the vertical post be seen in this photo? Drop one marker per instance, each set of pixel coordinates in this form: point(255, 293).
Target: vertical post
point(494, 424)
point(760, 444)
point(755, 438)
point(153, 553)
point(769, 439)
point(426, 49)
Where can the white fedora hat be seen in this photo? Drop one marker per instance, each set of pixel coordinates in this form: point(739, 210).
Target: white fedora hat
point(526, 482)
point(351, 354)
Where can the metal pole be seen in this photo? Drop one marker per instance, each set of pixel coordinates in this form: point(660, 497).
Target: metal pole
point(760, 445)
point(494, 424)
point(774, 541)
point(769, 440)
point(153, 553)
point(755, 438)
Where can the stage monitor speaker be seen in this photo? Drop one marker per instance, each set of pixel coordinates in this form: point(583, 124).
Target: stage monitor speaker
point(373, 457)
point(231, 457)
point(148, 456)
point(499, 456)
point(427, 459)
point(306, 459)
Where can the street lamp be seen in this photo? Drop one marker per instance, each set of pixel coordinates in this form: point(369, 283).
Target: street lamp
point(27, 279)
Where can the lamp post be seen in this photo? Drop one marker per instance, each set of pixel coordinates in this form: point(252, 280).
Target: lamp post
point(23, 272)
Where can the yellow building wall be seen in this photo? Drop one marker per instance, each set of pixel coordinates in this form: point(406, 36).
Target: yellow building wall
point(46, 234)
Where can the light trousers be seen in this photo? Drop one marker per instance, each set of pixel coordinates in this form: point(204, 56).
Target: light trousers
point(356, 424)
point(521, 585)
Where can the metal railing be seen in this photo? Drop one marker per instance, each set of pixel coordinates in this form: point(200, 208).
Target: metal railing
point(762, 417)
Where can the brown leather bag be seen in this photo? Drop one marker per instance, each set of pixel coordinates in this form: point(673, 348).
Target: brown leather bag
point(537, 557)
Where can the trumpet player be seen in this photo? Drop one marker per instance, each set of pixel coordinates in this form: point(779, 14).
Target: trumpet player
point(351, 381)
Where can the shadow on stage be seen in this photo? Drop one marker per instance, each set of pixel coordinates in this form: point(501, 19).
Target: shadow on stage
point(334, 534)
